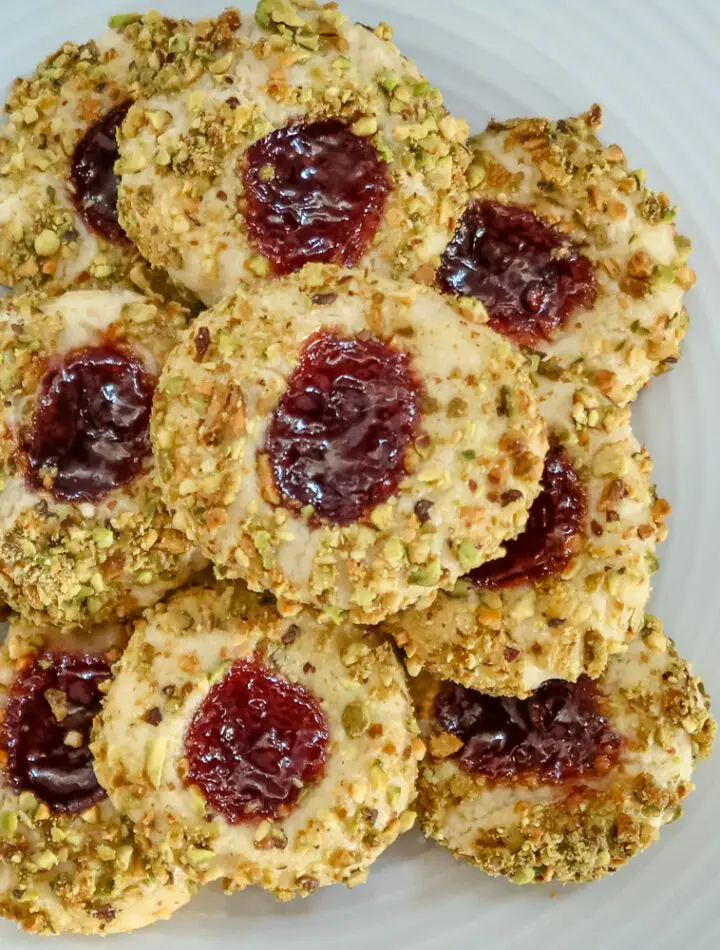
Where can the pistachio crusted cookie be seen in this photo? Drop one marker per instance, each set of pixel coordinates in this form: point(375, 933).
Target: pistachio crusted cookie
point(263, 751)
point(573, 782)
point(68, 862)
point(345, 441)
point(84, 536)
point(571, 589)
point(58, 191)
point(306, 137)
point(571, 253)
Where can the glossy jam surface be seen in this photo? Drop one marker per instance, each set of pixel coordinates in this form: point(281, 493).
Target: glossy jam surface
point(555, 524)
point(90, 433)
point(314, 193)
point(558, 733)
point(528, 275)
point(47, 726)
point(337, 439)
point(93, 176)
point(255, 742)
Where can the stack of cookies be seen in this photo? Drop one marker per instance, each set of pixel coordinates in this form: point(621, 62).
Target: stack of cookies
point(321, 510)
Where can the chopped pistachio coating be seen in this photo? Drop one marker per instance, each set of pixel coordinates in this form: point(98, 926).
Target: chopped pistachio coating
point(563, 173)
point(469, 479)
point(82, 873)
point(45, 243)
point(573, 831)
point(509, 640)
point(184, 145)
point(76, 563)
point(342, 822)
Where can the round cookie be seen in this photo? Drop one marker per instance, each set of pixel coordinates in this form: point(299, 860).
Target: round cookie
point(68, 862)
point(264, 751)
point(84, 536)
point(345, 441)
point(306, 137)
point(58, 191)
point(609, 764)
point(571, 589)
point(572, 254)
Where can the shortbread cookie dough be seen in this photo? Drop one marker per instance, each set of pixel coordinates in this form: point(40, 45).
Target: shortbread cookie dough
point(68, 862)
point(345, 441)
point(572, 783)
point(58, 190)
point(305, 137)
point(263, 751)
point(571, 254)
point(571, 589)
point(84, 536)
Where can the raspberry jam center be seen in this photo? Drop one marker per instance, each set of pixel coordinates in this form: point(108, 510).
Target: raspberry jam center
point(46, 731)
point(256, 741)
point(93, 176)
point(90, 433)
point(558, 733)
point(313, 192)
point(337, 439)
point(530, 277)
point(552, 534)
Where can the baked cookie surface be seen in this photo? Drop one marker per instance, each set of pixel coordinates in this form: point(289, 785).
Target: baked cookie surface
point(345, 441)
point(68, 862)
point(262, 751)
point(83, 533)
point(584, 777)
point(571, 253)
point(571, 589)
point(306, 137)
point(58, 191)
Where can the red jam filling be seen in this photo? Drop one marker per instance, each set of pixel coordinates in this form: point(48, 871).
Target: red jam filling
point(337, 439)
point(530, 277)
point(93, 176)
point(313, 192)
point(90, 433)
point(46, 731)
point(558, 733)
point(556, 522)
point(256, 741)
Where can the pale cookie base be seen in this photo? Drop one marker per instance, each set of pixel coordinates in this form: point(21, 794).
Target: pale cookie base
point(508, 641)
point(566, 176)
point(341, 824)
point(581, 831)
point(477, 457)
point(76, 563)
point(83, 873)
point(44, 243)
point(183, 152)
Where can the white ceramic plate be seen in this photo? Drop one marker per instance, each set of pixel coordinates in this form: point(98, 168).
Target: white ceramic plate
point(655, 65)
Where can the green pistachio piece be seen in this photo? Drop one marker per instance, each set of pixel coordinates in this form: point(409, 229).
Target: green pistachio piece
point(46, 860)
point(388, 81)
point(199, 856)
point(263, 543)
point(427, 575)
point(103, 538)
point(121, 20)
point(155, 760)
point(178, 43)
point(394, 551)
point(663, 276)
point(8, 823)
point(259, 265)
point(356, 719)
point(469, 556)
